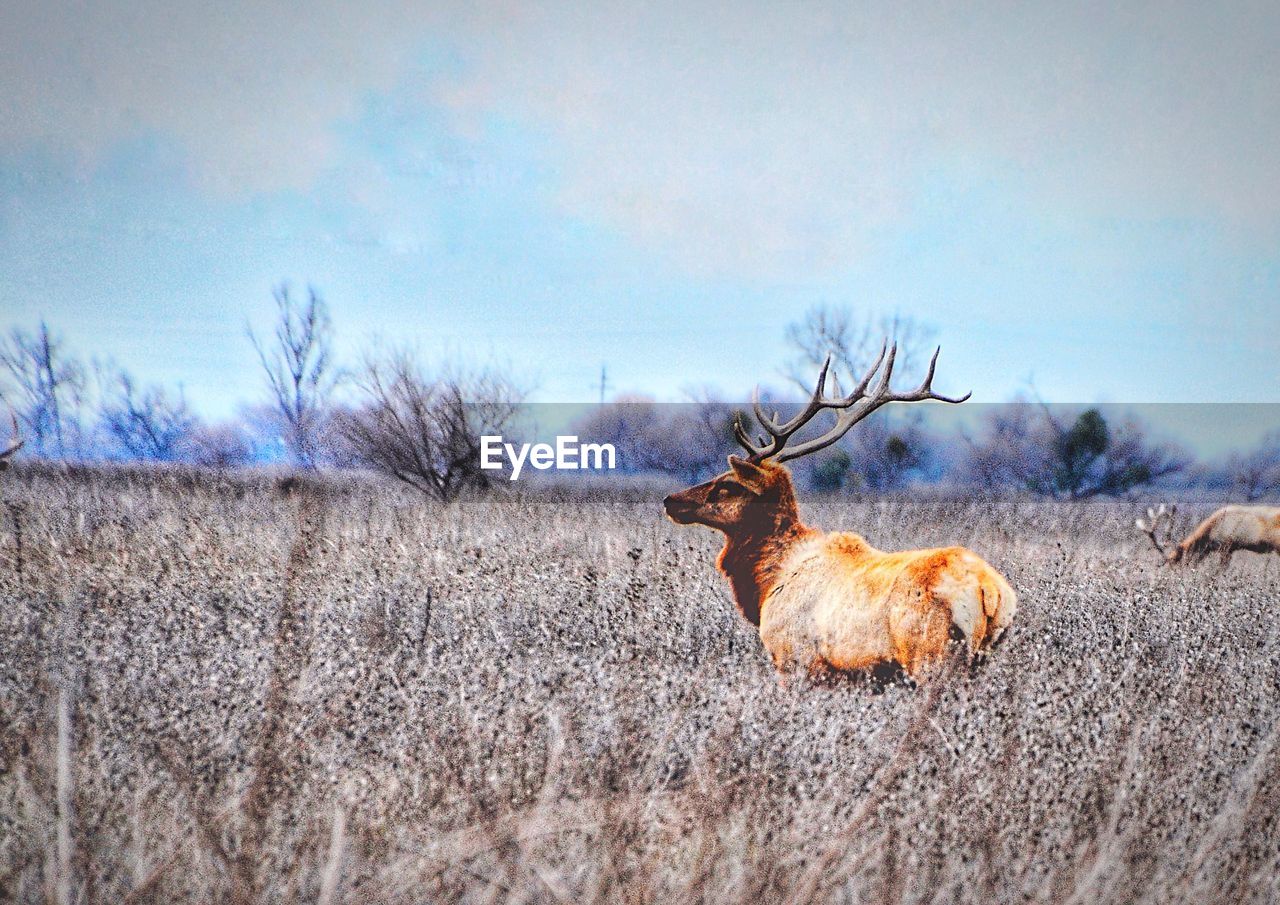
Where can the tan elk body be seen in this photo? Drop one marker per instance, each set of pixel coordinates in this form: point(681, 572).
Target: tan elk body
point(1255, 529)
point(832, 602)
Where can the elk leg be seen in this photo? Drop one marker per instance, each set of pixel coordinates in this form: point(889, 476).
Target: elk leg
point(820, 672)
point(922, 638)
point(1224, 557)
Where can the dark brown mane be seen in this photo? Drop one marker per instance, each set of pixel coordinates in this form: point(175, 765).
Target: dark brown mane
point(754, 550)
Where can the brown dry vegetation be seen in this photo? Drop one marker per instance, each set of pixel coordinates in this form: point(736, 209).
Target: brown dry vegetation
point(215, 690)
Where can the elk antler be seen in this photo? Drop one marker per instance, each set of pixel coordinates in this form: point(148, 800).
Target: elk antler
point(849, 409)
point(1150, 526)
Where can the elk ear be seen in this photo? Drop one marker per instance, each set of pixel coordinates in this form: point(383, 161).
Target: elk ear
point(746, 471)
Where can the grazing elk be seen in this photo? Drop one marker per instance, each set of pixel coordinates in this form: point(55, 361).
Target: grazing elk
point(1231, 528)
point(831, 602)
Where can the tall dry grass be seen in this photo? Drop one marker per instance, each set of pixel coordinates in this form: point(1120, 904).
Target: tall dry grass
point(213, 689)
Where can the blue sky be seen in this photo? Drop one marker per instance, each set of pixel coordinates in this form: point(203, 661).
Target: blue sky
point(1086, 198)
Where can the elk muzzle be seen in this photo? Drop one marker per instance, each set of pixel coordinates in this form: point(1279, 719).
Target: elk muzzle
point(679, 509)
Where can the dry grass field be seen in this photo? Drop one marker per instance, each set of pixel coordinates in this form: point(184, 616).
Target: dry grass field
point(215, 690)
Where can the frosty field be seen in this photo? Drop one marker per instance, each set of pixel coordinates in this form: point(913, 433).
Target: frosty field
point(218, 689)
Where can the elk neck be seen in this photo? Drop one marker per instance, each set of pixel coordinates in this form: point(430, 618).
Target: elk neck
point(754, 552)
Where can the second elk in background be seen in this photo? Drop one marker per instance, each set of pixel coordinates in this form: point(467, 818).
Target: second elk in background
point(1252, 528)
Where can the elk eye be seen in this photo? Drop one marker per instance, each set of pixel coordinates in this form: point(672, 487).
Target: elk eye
point(720, 491)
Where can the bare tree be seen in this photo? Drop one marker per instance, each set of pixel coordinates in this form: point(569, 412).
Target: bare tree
point(1092, 458)
point(1009, 450)
point(46, 388)
point(642, 431)
point(689, 439)
point(880, 456)
point(1069, 455)
point(852, 341)
point(146, 423)
point(426, 431)
point(707, 426)
point(299, 370)
point(12, 448)
point(1255, 474)
point(220, 446)
point(885, 455)
point(631, 424)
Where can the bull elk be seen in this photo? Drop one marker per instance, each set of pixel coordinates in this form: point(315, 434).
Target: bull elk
point(832, 603)
point(1231, 528)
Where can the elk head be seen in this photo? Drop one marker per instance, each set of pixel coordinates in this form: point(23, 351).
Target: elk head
point(1150, 526)
point(755, 496)
point(16, 445)
point(748, 495)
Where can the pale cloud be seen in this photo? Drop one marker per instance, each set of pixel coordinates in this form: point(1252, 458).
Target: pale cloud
point(785, 136)
point(252, 91)
point(773, 139)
